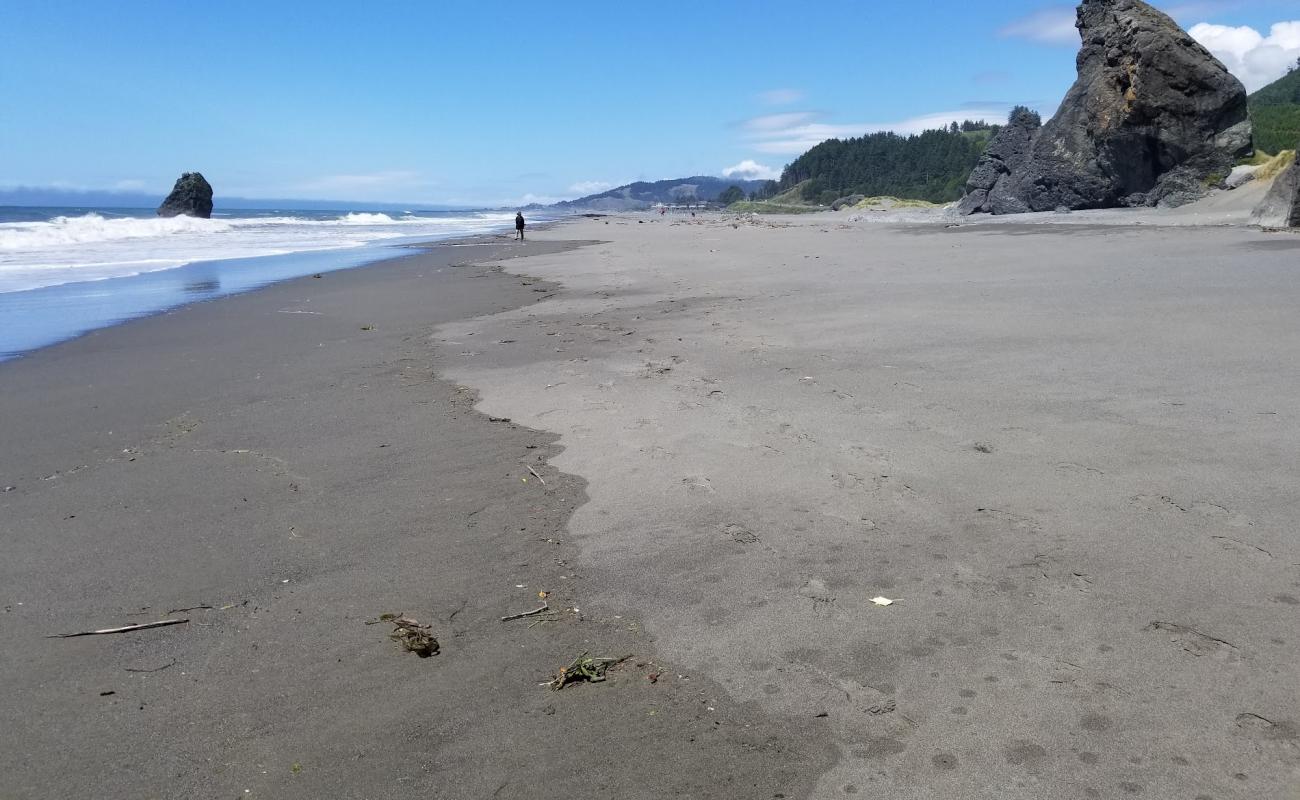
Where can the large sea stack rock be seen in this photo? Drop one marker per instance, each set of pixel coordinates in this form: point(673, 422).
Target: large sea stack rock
point(1150, 119)
point(990, 187)
point(1280, 208)
point(191, 197)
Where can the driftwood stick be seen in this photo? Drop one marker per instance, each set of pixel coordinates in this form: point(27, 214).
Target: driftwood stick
point(532, 613)
point(171, 663)
point(191, 608)
point(124, 629)
point(535, 475)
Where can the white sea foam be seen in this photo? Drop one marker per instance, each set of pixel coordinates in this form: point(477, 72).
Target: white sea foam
point(97, 246)
point(27, 237)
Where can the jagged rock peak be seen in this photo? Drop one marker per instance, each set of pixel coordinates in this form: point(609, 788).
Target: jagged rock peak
point(191, 197)
point(1151, 120)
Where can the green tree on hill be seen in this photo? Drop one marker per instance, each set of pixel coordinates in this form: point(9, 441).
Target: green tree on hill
point(1024, 111)
point(730, 195)
point(1275, 113)
point(929, 166)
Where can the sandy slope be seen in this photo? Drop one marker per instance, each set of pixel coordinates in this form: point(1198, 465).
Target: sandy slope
point(1069, 450)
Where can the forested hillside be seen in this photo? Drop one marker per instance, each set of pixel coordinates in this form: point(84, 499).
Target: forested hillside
point(1275, 112)
point(643, 194)
point(929, 166)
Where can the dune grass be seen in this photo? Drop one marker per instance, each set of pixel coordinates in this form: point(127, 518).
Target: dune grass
point(1274, 166)
point(772, 207)
point(895, 202)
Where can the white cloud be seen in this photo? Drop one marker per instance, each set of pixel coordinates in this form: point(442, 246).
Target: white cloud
point(777, 122)
point(590, 187)
point(751, 170)
point(129, 185)
point(1257, 60)
point(1053, 25)
point(780, 97)
point(800, 132)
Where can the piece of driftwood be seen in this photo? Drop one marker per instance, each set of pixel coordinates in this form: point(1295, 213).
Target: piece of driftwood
point(532, 613)
point(535, 475)
point(124, 629)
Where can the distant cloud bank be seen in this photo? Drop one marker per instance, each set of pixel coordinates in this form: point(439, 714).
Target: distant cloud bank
point(583, 188)
point(1257, 60)
point(751, 170)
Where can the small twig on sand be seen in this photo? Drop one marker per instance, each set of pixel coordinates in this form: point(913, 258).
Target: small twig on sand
point(535, 475)
point(191, 608)
point(532, 613)
point(124, 629)
point(172, 663)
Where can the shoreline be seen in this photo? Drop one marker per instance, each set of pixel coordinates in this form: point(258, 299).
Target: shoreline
point(286, 479)
point(81, 306)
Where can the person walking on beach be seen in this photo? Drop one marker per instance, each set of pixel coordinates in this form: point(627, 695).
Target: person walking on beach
point(519, 225)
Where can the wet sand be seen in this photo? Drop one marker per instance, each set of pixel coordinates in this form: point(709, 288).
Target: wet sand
point(1068, 452)
point(280, 468)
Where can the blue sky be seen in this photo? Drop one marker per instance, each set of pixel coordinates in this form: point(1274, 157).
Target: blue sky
point(491, 103)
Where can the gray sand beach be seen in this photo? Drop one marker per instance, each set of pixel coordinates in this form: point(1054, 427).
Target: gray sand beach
point(1067, 454)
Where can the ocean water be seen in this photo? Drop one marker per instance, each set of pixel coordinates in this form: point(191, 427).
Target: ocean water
point(65, 271)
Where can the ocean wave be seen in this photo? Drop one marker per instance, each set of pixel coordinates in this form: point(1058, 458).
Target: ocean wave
point(367, 219)
point(96, 246)
point(64, 231)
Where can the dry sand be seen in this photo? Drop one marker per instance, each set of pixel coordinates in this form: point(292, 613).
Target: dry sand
point(1069, 452)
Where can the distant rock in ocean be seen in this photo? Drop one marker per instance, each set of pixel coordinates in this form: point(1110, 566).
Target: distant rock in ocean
point(190, 197)
point(1280, 208)
point(1152, 119)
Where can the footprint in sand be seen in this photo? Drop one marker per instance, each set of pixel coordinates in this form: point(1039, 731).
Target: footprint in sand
point(847, 481)
point(1201, 508)
point(1195, 642)
point(1079, 469)
point(1241, 548)
point(739, 533)
point(1017, 522)
point(698, 484)
point(1281, 736)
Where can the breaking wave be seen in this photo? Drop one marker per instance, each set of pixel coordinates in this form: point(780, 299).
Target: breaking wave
point(100, 245)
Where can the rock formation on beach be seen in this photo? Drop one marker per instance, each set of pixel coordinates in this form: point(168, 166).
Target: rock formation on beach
point(1280, 208)
point(988, 187)
point(1151, 120)
point(191, 197)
